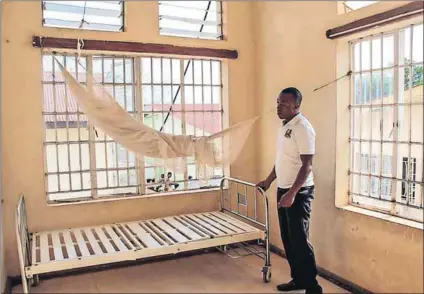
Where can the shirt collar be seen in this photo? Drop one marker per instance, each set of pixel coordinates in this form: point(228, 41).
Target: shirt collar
point(293, 121)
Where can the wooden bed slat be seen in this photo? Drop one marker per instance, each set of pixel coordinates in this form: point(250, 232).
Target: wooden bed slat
point(197, 226)
point(204, 225)
point(154, 231)
point(129, 235)
point(81, 243)
point(145, 237)
point(116, 239)
point(57, 247)
point(44, 246)
point(34, 249)
point(69, 245)
point(105, 241)
point(93, 242)
point(228, 231)
point(171, 231)
point(233, 221)
point(185, 229)
point(225, 223)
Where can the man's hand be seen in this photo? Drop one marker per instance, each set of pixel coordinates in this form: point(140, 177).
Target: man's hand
point(286, 200)
point(264, 185)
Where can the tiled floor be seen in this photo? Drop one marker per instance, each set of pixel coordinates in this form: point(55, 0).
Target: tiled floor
point(212, 272)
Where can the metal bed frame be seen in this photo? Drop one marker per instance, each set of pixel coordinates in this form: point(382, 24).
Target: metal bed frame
point(229, 230)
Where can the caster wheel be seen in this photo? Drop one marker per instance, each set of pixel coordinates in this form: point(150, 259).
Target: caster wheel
point(266, 274)
point(224, 248)
point(34, 281)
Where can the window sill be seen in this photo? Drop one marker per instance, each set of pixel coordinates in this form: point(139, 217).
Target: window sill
point(383, 216)
point(119, 198)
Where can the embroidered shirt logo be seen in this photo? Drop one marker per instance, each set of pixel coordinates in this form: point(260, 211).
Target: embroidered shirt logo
point(288, 133)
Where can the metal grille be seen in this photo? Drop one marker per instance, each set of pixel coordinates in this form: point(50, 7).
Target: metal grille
point(181, 97)
point(176, 96)
point(192, 19)
point(88, 15)
point(386, 137)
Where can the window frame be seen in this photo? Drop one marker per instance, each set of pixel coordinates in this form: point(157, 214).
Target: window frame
point(121, 30)
point(139, 111)
point(168, 31)
point(396, 208)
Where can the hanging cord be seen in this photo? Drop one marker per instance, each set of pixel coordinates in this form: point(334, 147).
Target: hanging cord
point(348, 74)
point(83, 21)
point(80, 45)
point(185, 71)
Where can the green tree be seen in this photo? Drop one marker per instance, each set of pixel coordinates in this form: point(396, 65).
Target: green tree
point(417, 75)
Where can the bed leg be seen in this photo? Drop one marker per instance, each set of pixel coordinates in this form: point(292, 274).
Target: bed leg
point(266, 274)
point(266, 270)
point(34, 281)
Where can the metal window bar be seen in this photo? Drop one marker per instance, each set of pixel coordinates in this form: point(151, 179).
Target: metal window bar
point(409, 171)
point(138, 108)
point(395, 118)
point(78, 128)
point(382, 112)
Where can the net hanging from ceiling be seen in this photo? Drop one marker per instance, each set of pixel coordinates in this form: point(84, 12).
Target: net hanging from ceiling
point(172, 151)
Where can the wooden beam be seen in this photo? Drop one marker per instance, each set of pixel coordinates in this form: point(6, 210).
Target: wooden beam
point(406, 11)
point(97, 45)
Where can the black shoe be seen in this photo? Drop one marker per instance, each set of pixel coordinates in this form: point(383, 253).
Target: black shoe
point(314, 290)
point(290, 286)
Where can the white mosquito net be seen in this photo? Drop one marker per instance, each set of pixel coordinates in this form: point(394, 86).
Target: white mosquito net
point(104, 113)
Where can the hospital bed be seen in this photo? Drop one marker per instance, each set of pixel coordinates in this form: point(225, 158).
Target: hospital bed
point(231, 230)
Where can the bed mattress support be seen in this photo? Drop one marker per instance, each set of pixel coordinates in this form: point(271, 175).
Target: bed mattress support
point(229, 230)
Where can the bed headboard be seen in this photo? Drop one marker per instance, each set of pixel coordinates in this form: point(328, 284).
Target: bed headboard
point(22, 236)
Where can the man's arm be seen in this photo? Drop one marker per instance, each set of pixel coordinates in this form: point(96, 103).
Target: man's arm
point(267, 183)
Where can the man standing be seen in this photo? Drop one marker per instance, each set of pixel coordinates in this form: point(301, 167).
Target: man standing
point(293, 171)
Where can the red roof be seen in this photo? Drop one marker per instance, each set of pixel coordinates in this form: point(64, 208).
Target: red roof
point(201, 116)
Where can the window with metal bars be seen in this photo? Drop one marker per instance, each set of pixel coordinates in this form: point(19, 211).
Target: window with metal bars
point(387, 111)
point(176, 96)
point(88, 15)
point(191, 19)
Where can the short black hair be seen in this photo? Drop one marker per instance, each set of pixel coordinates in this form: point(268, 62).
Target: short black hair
point(296, 94)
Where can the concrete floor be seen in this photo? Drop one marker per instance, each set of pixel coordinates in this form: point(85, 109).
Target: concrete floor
point(212, 272)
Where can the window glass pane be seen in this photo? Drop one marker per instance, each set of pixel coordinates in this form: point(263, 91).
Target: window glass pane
point(190, 19)
point(388, 51)
point(417, 49)
point(366, 55)
point(376, 53)
point(88, 15)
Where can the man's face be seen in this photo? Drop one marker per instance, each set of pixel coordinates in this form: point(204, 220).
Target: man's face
point(286, 106)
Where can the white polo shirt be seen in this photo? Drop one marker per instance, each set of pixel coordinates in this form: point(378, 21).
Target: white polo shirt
point(294, 138)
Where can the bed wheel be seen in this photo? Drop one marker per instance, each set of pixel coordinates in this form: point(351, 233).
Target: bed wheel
point(34, 281)
point(266, 274)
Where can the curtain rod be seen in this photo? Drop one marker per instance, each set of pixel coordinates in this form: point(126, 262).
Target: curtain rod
point(396, 14)
point(98, 45)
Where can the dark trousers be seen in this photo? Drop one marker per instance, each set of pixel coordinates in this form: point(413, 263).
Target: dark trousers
point(294, 228)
